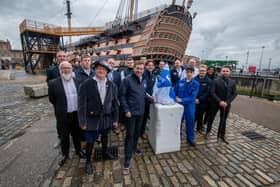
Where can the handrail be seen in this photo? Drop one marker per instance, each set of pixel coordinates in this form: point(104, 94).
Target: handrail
point(30, 25)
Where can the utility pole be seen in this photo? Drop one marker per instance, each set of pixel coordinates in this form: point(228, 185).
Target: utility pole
point(68, 14)
point(247, 58)
point(261, 58)
point(269, 63)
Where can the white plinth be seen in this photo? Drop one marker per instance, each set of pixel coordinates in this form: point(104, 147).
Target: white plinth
point(164, 127)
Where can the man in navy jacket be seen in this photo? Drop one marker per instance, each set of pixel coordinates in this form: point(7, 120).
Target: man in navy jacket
point(202, 97)
point(85, 71)
point(132, 98)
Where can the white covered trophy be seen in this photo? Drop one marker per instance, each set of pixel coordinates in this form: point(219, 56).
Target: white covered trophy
point(165, 116)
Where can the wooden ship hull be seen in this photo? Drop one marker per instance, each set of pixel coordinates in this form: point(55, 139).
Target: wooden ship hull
point(161, 35)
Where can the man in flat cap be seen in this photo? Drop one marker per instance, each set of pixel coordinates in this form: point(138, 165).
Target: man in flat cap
point(97, 109)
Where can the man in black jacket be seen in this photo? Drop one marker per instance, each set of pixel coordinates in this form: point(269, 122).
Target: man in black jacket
point(211, 74)
point(223, 92)
point(63, 95)
point(132, 98)
point(98, 110)
point(202, 96)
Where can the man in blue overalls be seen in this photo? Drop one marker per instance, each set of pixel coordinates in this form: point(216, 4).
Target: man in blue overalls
point(186, 91)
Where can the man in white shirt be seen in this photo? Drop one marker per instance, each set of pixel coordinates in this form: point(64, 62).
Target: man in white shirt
point(63, 95)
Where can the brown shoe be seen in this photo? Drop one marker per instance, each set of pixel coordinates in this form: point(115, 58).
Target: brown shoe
point(117, 131)
point(83, 145)
point(144, 136)
point(206, 136)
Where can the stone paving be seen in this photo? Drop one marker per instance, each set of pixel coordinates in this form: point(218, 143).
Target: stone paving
point(244, 162)
point(17, 111)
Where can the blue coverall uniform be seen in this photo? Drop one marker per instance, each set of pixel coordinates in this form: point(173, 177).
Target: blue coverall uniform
point(188, 91)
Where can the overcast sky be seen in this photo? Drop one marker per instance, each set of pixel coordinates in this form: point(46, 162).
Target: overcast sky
point(222, 27)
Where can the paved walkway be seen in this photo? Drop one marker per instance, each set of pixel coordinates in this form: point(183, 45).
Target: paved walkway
point(244, 162)
point(27, 157)
point(258, 110)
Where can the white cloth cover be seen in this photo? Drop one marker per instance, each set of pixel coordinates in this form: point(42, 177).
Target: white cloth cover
point(164, 127)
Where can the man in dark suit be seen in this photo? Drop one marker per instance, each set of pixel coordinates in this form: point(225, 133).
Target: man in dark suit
point(114, 75)
point(63, 95)
point(53, 73)
point(85, 71)
point(150, 79)
point(177, 73)
point(132, 99)
point(98, 110)
point(223, 92)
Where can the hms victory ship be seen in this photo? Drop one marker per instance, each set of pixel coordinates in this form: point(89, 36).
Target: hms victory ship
point(161, 33)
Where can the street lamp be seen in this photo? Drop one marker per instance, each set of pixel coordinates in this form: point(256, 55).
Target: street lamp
point(261, 58)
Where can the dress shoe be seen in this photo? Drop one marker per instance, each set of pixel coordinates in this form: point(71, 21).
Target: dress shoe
point(126, 165)
point(138, 152)
point(81, 154)
point(62, 161)
point(224, 140)
point(107, 156)
point(98, 139)
point(57, 144)
point(88, 168)
point(191, 143)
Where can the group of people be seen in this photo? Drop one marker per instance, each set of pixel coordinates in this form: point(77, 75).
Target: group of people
point(89, 102)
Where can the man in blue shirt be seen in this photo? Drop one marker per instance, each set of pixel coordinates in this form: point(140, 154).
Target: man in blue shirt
point(186, 91)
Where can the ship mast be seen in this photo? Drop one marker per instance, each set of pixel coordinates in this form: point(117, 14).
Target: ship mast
point(131, 10)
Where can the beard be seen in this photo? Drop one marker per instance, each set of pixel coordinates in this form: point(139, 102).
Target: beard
point(66, 77)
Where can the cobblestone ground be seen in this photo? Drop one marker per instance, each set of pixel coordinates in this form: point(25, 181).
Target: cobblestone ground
point(18, 111)
point(244, 162)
